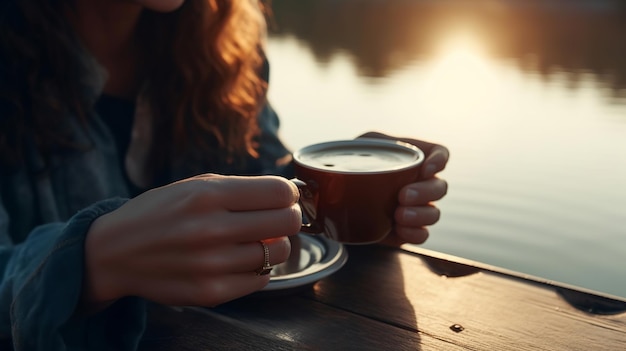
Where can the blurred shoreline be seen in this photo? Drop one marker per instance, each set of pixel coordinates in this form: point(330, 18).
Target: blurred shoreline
point(575, 37)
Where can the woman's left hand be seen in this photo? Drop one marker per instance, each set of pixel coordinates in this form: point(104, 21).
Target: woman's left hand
point(415, 210)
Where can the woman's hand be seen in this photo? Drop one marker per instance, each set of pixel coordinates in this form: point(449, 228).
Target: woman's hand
point(415, 210)
point(193, 242)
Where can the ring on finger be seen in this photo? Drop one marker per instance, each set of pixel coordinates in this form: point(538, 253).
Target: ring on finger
point(266, 268)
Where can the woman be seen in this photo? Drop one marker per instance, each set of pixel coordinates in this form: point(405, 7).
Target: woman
point(109, 111)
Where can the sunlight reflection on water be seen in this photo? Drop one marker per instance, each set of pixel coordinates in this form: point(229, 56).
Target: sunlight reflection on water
point(537, 177)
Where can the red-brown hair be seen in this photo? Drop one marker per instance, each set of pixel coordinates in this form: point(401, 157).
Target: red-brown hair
point(202, 77)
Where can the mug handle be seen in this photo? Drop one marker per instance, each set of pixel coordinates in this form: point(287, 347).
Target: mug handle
point(307, 205)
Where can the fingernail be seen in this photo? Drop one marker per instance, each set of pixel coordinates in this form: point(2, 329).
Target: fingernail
point(409, 215)
point(411, 195)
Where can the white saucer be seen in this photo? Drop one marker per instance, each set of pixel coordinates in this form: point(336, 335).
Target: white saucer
point(312, 258)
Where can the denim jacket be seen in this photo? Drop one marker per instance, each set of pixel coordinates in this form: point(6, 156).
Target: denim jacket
point(45, 212)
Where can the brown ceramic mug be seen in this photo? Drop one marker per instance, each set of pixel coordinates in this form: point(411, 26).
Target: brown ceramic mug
point(349, 188)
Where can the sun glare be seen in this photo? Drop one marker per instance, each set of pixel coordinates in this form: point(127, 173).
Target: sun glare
point(461, 76)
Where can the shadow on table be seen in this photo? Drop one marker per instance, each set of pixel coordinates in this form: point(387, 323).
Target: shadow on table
point(361, 307)
point(372, 285)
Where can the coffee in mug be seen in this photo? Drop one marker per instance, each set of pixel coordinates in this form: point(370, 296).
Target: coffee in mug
point(349, 188)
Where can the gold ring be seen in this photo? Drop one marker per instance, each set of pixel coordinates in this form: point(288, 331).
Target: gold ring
point(266, 269)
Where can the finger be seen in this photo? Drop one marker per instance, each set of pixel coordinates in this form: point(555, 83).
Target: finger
point(199, 263)
point(234, 286)
point(249, 257)
point(392, 240)
point(435, 161)
point(247, 193)
point(240, 258)
point(411, 235)
point(225, 227)
point(210, 291)
point(417, 216)
point(406, 235)
point(423, 192)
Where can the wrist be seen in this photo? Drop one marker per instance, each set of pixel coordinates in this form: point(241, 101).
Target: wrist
point(101, 285)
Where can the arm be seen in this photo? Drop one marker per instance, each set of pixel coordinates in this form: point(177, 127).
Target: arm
point(41, 287)
point(193, 242)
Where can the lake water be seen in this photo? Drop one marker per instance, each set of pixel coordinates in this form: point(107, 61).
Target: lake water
point(528, 95)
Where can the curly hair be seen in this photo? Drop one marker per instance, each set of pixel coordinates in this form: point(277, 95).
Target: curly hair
point(201, 77)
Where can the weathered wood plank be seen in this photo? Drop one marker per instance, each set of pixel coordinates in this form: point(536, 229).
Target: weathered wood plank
point(185, 329)
point(496, 311)
point(277, 324)
point(391, 299)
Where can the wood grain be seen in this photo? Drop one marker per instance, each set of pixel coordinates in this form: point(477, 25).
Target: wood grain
point(394, 299)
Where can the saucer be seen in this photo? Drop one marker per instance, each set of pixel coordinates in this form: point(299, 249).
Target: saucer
point(312, 258)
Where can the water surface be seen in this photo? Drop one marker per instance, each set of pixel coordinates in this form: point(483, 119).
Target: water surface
point(529, 96)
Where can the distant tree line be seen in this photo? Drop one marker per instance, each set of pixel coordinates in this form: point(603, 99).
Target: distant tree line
point(580, 37)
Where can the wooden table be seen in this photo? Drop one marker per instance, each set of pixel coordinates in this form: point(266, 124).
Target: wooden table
point(402, 299)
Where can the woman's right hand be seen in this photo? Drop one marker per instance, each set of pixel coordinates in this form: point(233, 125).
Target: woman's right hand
point(193, 242)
